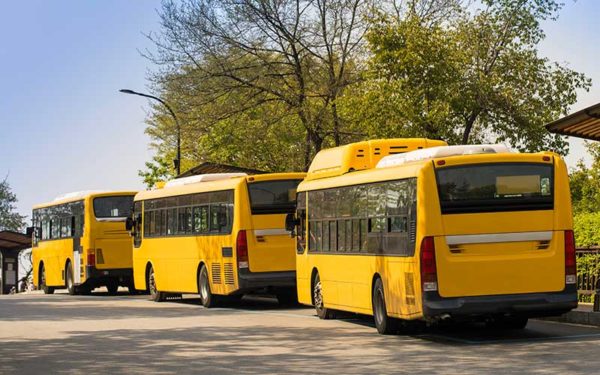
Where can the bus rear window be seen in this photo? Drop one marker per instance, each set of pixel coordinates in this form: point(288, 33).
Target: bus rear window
point(113, 207)
point(495, 187)
point(273, 197)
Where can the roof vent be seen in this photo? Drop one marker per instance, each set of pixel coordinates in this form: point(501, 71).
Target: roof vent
point(440, 152)
point(202, 178)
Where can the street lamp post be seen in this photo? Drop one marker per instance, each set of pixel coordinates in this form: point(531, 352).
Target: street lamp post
point(177, 161)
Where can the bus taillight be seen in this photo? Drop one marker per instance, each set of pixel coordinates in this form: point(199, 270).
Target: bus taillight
point(241, 248)
point(91, 257)
point(570, 261)
point(428, 268)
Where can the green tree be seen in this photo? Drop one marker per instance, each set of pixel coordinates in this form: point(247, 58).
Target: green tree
point(479, 78)
point(9, 218)
point(585, 182)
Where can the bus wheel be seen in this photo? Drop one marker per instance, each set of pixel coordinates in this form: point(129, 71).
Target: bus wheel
point(69, 280)
point(384, 324)
point(113, 287)
point(155, 295)
point(322, 311)
point(207, 298)
point(47, 289)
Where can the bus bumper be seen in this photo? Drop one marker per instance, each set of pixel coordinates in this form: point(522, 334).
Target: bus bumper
point(259, 280)
point(125, 275)
point(527, 305)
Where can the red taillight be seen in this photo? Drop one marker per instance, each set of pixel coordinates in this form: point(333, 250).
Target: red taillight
point(91, 257)
point(241, 248)
point(570, 261)
point(428, 268)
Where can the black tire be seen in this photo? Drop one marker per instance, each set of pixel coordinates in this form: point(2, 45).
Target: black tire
point(322, 311)
point(69, 280)
point(113, 287)
point(206, 297)
point(509, 322)
point(385, 325)
point(155, 294)
point(131, 289)
point(287, 298)
point(47, 289)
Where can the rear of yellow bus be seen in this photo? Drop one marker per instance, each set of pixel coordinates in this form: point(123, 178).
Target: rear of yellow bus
point(498, 242)
point(109, 248)
point(265, 251)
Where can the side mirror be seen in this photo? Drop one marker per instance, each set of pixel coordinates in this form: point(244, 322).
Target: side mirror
point(129, 224)
point(30, 231)
point(291, 222)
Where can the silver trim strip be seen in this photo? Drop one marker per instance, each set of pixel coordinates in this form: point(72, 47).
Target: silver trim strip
point(499, 237)
point(271, 232)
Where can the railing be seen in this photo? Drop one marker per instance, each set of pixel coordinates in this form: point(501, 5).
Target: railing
point(588, 272)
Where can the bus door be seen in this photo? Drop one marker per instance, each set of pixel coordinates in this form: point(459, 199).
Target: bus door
point(271, 248)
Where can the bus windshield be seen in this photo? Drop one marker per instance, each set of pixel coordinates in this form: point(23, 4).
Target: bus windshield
point(495, 187)
point(273, 197)
point(113, 207)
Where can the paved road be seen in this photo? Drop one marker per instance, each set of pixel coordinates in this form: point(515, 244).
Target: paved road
point(124, 334)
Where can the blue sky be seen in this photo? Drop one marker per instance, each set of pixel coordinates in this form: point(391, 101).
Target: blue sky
point(64, 126)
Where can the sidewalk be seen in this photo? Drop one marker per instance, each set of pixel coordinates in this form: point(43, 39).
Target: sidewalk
point(583, 314)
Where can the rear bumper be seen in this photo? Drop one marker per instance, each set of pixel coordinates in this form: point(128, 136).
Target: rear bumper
point(123, 274)
point(527, 305)
point(249, 281)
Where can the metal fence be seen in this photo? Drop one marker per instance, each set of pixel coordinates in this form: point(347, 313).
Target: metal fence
point(588, 270)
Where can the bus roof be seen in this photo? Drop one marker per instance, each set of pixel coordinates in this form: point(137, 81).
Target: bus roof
point(362, 155)
point(79, 195)
point(213, 184)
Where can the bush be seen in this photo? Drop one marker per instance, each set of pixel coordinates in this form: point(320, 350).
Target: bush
point(587, 229)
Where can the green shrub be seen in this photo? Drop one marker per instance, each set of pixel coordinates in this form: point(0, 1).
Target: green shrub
point(587, 229)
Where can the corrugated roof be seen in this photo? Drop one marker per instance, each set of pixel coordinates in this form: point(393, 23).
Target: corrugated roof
point(208, 167)
point(10, 240)
point(583, 124)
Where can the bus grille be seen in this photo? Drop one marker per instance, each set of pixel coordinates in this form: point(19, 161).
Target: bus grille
point(409, 288)
point(216, 273)
point(229, 274)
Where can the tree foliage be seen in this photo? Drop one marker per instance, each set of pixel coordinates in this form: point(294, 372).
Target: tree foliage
point(9, 218)
point(266, 84)
point(477, 78)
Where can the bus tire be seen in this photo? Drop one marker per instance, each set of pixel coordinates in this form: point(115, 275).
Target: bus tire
point(206, 297)
point(385, 325)
point(113, 287)
point(322, 311)
point(47, 289)
point(155, 294)
point(69, 280)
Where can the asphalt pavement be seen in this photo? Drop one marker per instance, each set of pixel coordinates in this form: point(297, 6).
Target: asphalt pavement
point(129, 334)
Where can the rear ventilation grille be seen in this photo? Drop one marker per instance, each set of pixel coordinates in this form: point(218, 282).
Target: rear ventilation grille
point(216, 273)
point(409, 288)
point(229, 274)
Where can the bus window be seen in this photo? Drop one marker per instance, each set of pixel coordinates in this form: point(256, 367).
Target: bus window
point(498, 187)
point(109, 207)
point(273, 197)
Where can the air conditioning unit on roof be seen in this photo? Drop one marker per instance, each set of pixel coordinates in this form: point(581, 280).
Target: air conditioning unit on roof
point(203, 178)
point(440, 152)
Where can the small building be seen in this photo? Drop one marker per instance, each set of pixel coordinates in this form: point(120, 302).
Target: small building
point(11, 244)
point(208, 167)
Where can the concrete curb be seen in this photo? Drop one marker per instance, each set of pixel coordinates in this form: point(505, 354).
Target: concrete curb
point(582, 315)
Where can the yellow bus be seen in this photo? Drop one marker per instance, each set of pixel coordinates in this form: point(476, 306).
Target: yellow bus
point(446, 232)
point(219, 235)
point(79, 242)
